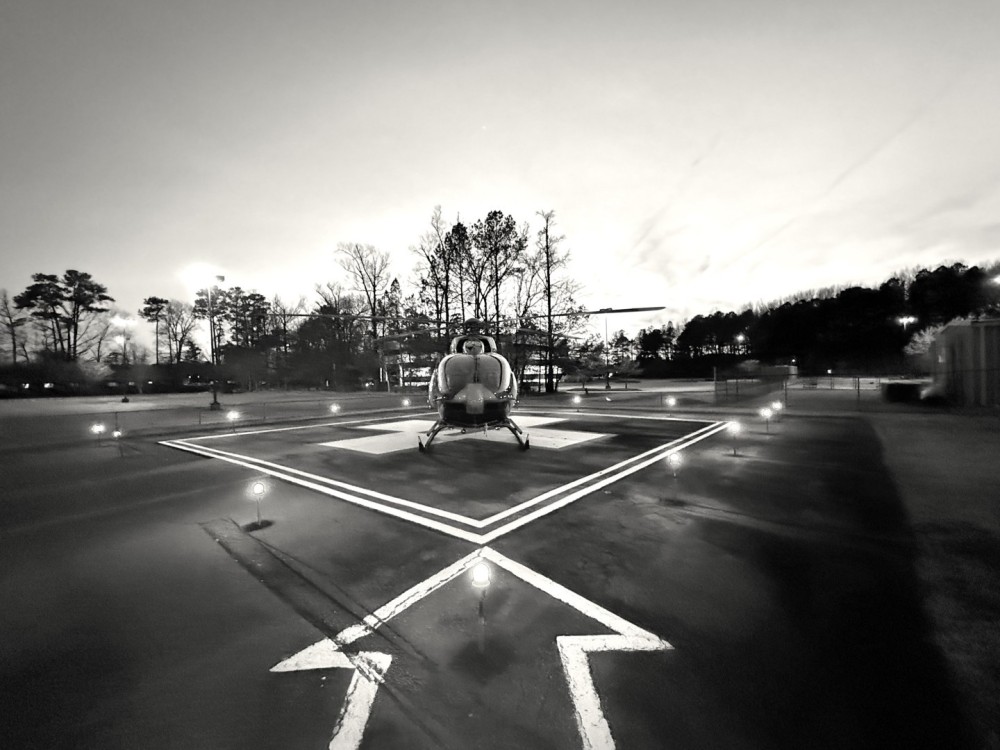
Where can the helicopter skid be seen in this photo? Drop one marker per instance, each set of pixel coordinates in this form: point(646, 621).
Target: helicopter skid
point(520, 435)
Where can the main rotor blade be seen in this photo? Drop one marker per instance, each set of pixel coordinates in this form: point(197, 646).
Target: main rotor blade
point(602, 311)
point(359, 316)
point(410, 334)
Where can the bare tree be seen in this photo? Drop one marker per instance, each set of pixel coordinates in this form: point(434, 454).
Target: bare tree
point(441, 256)
point(458, 248)
point(557, 294)
point(499, 250)
point(12, 323)
point(368, 268)
point(283, 317)
point(178, 323)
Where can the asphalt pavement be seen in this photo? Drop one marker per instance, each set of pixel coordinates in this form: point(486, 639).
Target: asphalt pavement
point(826, 579)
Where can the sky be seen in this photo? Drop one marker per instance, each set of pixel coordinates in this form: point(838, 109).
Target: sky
point(698, 156)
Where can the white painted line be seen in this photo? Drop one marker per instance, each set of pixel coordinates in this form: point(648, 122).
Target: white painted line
point(385, 503)
point(274, 469)
point(557, 591)
point(324, 654)
point(590, 722)
point(280, 471)
point(583, 480)
point(612, 415)
point(369, 674)
point(407, 599)
point(551, 508)
point(288, 477)
point(574, 650)
point(363, 421)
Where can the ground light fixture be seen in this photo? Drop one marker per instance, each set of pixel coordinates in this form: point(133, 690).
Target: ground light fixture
point(117, 435)
point(671, 402)
point(674, 461)
point(334, 408)
point(734, 430)
point(258, 489)
point(776, 407)
point(482, 576)
point(97, 429)
point(232, 416)
point(406, 402)
point(766, 413)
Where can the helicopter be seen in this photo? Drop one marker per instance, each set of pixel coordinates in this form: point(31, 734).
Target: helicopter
point(473, 387)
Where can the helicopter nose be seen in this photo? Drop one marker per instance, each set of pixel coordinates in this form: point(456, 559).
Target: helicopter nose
point(474, 395)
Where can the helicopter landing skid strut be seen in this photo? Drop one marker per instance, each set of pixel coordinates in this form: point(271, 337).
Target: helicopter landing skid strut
point(519, 434)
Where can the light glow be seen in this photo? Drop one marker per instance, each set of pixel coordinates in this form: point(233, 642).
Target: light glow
point(481, 575)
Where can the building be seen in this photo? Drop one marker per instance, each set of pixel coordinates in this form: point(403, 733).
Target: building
point(965, 361)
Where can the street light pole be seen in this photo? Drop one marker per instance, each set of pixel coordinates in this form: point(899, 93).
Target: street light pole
point(607, 354)
point(215, 405)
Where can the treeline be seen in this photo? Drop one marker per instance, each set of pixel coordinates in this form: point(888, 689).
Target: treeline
point(855, 329)
point(494, 269)
point(65, 329)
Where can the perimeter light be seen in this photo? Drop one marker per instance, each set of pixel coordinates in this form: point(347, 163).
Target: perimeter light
point(334, 408)
point(481, 575)
point(97, 429)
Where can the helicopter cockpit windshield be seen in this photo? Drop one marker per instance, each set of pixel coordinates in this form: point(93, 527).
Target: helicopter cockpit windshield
point(478, 343)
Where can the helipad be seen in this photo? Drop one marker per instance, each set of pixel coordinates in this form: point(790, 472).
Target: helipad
point(473, 486)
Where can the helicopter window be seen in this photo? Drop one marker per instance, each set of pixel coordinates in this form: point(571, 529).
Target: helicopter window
point(460, 343)
point(473, 347)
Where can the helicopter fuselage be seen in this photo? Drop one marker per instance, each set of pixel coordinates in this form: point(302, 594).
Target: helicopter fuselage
point(473, 387)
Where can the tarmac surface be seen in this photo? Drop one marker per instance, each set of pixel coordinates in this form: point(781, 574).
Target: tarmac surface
point(825, 579)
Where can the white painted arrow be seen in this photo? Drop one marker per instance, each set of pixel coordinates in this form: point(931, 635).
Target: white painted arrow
point(574, 651)
point(369, 673)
